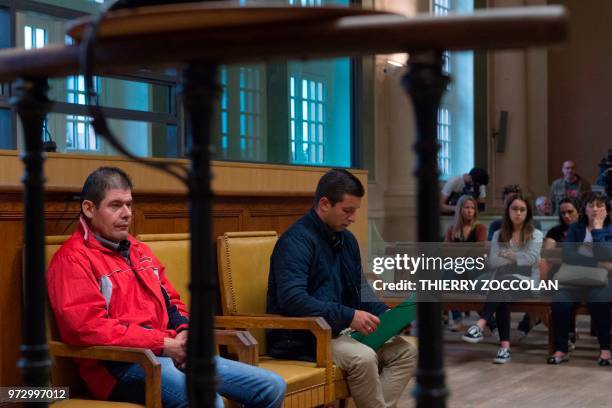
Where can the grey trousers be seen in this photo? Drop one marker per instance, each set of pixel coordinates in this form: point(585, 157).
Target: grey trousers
point(376, 379)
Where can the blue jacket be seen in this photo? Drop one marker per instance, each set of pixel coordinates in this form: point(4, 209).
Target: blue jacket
point(315, 271)
point(602, 245)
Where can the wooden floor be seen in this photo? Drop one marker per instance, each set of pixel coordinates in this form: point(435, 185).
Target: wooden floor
point(526, 381)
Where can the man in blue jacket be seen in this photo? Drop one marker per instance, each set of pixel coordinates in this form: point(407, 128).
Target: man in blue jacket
point(315, 270)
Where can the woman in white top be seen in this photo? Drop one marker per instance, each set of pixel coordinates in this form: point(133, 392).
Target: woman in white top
point(515, 250)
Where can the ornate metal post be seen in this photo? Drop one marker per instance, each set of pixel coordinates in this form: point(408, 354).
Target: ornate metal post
point(199, 92)
point(32, 105)
point(425, 83)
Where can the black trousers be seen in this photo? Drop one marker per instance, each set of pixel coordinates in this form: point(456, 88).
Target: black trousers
point(501, 310)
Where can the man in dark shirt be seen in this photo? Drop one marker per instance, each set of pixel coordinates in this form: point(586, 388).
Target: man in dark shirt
point(315, 270)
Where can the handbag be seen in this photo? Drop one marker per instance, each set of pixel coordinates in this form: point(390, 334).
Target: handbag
point(581, 276)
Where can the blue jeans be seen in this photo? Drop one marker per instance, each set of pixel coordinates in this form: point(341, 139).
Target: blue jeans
point(248, 385)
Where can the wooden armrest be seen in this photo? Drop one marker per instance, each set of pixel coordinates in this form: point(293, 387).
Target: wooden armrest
point(240, 341)
point(143, 357)
point(316, 325)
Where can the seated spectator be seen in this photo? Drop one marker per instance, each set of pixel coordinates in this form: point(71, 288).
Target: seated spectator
point(568, 214)
point(570, 185)
point(473, 184)
point(515, 248)
point(543, 206)
point(107, 288)
point(466, 228)
point(594, 227)
point(315, 270)
point(510, 191)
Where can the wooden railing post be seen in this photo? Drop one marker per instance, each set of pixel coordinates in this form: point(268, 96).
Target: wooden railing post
point(32, 105)
point(425, 84)
point(199, 92)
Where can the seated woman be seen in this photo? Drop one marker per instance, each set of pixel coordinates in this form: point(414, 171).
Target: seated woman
point(568, 214)
point(466, 228)
point(515, 249)
point(592, 231)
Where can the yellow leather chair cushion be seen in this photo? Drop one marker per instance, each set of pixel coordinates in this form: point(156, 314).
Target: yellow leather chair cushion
point(172, 250)
point(297, 376)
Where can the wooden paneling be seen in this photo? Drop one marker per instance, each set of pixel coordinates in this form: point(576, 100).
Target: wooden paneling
point(66, 173)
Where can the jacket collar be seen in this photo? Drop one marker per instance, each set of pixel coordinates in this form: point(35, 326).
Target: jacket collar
point(89, 237)
point(333, 238)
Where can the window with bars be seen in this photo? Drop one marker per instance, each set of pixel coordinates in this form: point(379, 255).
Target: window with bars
point(254, 116)
point(444, 126)
point(224, 114)
point(441, 8)
point(80, 134)
point(307, 120)
point(241, 113)
point(34, 37)
point(455, 119)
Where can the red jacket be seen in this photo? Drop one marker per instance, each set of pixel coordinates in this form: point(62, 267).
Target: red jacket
point(99, 299)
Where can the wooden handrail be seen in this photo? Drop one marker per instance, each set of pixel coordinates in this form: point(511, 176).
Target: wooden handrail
point(353, 35)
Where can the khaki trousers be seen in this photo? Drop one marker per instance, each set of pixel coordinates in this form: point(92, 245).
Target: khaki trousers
point(376, 379)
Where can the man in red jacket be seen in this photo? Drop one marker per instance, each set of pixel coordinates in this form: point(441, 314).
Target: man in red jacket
point(107, 288)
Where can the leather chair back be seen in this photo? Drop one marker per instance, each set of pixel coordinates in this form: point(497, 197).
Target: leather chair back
point(64, 371)
point(244, 264)
point(173, 251)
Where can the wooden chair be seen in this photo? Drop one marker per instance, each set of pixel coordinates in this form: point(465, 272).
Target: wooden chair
point(243, 266)
point(64, 371)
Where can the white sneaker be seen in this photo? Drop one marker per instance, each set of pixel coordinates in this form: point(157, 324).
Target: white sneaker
point(503, 356)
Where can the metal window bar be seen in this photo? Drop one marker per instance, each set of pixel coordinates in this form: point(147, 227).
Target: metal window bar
point(224, 115)
point(250, 113)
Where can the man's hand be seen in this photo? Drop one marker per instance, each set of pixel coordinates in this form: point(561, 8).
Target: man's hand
point(183, 337)
point(364, 322)
point(176, 349)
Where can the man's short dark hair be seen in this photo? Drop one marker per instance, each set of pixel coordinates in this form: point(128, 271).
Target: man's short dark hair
point(511, 189)
point(335, 184)
point(103, 179)
point(479, 176)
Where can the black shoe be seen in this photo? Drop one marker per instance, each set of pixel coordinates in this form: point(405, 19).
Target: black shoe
point(604, 362)
point(525, 324)
point(492, 324)
point(558, 359)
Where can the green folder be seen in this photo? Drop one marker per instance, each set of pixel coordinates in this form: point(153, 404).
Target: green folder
point(391, 323)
